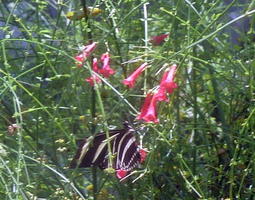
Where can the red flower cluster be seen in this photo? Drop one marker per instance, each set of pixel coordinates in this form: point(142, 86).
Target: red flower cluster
point(149, 108)
point(167, 85)
point(105, 70)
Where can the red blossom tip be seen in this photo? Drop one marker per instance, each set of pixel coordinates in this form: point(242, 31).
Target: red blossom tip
point(95, 65)
point(120, 173)
point(158, 40)
point(79, 59)
point(143, 154)
point(93, 79)
point(106, 70)
point(86, 51)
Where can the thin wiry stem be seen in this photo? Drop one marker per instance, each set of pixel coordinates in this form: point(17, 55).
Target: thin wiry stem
point(145, 19)
point(93, 96)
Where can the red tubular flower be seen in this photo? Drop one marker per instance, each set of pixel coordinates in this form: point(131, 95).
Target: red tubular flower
point(130, 81)
point(148, 111)
point(106, 70)
point(158, 40)
point(91, 80)
point(145, 106)
point(86, 51)
point(151, 114)
point(161, 93)
point(121, 173)
point(167, 84)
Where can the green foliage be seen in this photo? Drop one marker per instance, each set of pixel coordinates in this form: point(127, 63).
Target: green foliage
point(203, 147)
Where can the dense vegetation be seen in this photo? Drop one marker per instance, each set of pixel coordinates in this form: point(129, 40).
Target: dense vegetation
point(201, 148)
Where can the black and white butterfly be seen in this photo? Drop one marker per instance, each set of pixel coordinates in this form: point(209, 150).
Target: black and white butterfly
point(93, 151)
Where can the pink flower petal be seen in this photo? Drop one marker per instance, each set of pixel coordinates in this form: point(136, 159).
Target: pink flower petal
point(89, 48)
point(130, 81)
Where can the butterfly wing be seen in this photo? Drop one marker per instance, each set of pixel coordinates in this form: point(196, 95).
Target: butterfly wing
point(128, 155)
point(93, 151)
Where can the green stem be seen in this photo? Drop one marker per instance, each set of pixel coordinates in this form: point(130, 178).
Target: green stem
point(116, 35)
point(145, 14)
point(197, 190)
point(195, 112)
